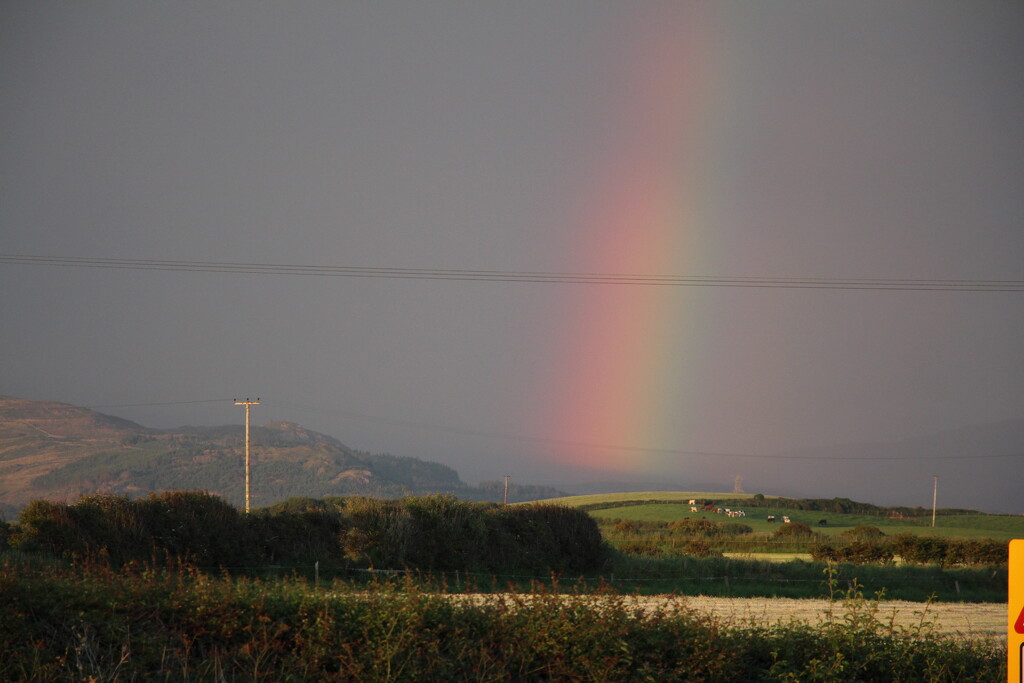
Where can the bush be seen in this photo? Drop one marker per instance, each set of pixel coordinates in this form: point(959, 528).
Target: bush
point(864, 532)
point(792, 530)
point(693, 527)
point(641, 549)
point(626, 526)
point(700, 547)
point(448, 533)
point(854, 551)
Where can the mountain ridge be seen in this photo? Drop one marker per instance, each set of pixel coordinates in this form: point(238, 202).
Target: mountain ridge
point(58, 451)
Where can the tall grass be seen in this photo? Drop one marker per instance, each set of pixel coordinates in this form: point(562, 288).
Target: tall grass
point(94, 623)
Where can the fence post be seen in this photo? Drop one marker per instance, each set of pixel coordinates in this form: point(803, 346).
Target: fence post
point(316, 574)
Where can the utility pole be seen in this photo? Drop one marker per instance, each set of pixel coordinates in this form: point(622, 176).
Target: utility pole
point(935, 496)
point(247, 403)
point(506, 489)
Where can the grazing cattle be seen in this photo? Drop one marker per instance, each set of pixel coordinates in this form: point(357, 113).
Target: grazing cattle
point(693, 502)
point(822, 522)
point(785, 519)
point(693, 508)
point(771, 518)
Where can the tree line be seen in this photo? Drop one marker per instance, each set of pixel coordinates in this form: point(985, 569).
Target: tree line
point(430, 533)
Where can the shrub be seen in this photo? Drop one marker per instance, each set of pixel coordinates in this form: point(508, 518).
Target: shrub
point(693, 527)
point(626, 526)
point(640, 548)
point(447, 533)
point(853, 550)
point(700, 547)
point(380, 534)
point(792, 530)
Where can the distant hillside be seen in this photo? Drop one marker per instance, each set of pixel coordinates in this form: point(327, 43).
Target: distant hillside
point(61, 452)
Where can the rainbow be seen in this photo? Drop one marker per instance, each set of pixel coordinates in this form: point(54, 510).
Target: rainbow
point(626, 379)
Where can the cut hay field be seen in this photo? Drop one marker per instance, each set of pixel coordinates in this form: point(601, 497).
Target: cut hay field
point(962, 620)
point(968, 620)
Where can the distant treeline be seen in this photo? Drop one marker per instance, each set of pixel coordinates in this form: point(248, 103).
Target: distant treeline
point(838, 505)
point(430, 533)
point(842, 506)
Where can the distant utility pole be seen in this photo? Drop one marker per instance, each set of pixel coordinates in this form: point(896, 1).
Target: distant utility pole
point(506, 489)
point(247, 403)
point(935, 496)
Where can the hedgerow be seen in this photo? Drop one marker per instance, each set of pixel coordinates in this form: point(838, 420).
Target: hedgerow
point(431, 533)
point(141, 623)
point(911, 549)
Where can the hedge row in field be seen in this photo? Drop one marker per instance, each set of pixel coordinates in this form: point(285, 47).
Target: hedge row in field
point(158, 625)
point(944, 552)
point(433, 533)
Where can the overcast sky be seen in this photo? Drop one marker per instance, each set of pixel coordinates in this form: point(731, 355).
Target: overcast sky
point(815, 140)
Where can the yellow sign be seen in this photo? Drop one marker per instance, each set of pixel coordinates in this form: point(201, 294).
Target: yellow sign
point(1015, 613)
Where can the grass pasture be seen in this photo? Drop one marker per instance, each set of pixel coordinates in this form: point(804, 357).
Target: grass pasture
point(980, 525)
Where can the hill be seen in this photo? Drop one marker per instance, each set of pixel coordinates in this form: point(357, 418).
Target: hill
point(58, 451)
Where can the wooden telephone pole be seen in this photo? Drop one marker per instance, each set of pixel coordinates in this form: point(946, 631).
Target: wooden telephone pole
point(247, 403)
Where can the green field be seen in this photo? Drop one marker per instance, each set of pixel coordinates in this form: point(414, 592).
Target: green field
point(980, 525)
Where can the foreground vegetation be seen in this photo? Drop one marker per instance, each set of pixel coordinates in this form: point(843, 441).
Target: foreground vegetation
point(91, 622)
point(434, 588)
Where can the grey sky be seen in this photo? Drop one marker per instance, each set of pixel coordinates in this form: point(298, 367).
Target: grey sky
point(829, 139)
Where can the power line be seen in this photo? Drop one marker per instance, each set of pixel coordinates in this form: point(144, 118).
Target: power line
point(637, 449)
point(576, 444)
point(391, 273)
point(161, 403)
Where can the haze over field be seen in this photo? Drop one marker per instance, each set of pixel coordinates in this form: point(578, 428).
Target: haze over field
point(846, 176)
